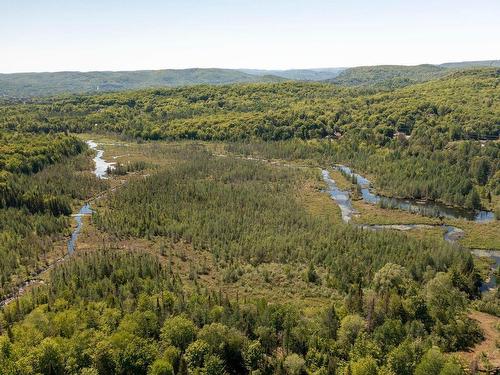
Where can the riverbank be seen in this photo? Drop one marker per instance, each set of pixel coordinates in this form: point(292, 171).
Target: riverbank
point(100, 170)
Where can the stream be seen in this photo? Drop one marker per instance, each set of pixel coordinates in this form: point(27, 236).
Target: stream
point(341, 198)
point(451, 234)
point(101, 166)
point(100, 170)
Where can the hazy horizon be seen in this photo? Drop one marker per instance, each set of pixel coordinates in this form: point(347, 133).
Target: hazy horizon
point(114, 35)
point(246, 68)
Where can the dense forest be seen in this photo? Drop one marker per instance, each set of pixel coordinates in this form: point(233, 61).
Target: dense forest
point(463, 105)
point(127, 314)
point(401, 306)
point(40, 182)
point(201, 257)
point(429, 125)
point(389, 76)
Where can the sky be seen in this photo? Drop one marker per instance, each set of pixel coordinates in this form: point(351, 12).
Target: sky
point(86, 35)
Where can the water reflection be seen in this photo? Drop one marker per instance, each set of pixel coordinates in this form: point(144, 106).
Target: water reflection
point(341, 197)
point(100, 170)
point(426, 208)
point(451, 234)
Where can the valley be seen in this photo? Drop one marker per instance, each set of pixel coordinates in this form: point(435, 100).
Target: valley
point(259, 228)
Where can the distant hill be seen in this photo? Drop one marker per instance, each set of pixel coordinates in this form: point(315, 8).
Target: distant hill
point(393, 76)
point(470, 64)
point(40, 84)
point(389, 76)
point(319, 74)
point(23, 85)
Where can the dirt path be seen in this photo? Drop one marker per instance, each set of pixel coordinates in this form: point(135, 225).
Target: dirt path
point(489, 324)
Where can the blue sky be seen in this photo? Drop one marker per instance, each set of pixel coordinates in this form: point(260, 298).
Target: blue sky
point(54, 35)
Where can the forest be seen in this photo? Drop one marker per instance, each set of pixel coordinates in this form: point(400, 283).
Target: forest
point(29, 85)
point(213, 247)
point(398, 310)
point(432, 125)
point(22, 85)
point(41, 181)
point(389, 76)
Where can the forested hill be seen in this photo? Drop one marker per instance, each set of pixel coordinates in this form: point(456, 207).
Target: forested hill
point(26, 85)
point(469, 64)
point(394, 76)
point(320, 74)
point(462, 105)
point(42, 84)
point(389, 76)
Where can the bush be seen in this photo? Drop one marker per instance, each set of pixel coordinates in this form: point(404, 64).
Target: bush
point(294, 364)
point(161, 367)
point(364, 366)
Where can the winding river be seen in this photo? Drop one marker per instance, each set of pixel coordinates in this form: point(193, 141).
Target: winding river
point(426, 208)
point(451, 234)
point(101, 165)
point(341, 198)
point(100, 170)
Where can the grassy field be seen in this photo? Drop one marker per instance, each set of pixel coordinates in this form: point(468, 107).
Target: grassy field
point(479, 235)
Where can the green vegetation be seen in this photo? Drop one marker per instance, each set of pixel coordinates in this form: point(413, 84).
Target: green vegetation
point(43, 84)
point(28, 85)
point(226, 257)
point(26, 153)
point(40, 181)
point(469, 64)
point(123, 169)
point(389, 76)
point(320, 74)
point(245, 211)
point(411, 139)
point(460, 106)
point(393, 76)
point(127, 313)
point(460, 174)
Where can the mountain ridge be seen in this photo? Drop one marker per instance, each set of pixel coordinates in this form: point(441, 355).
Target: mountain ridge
point(25, 85)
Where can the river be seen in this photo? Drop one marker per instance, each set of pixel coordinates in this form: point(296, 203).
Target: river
point(101, 165)
point(100, 170)
point(451, 234)
point(426, 208)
